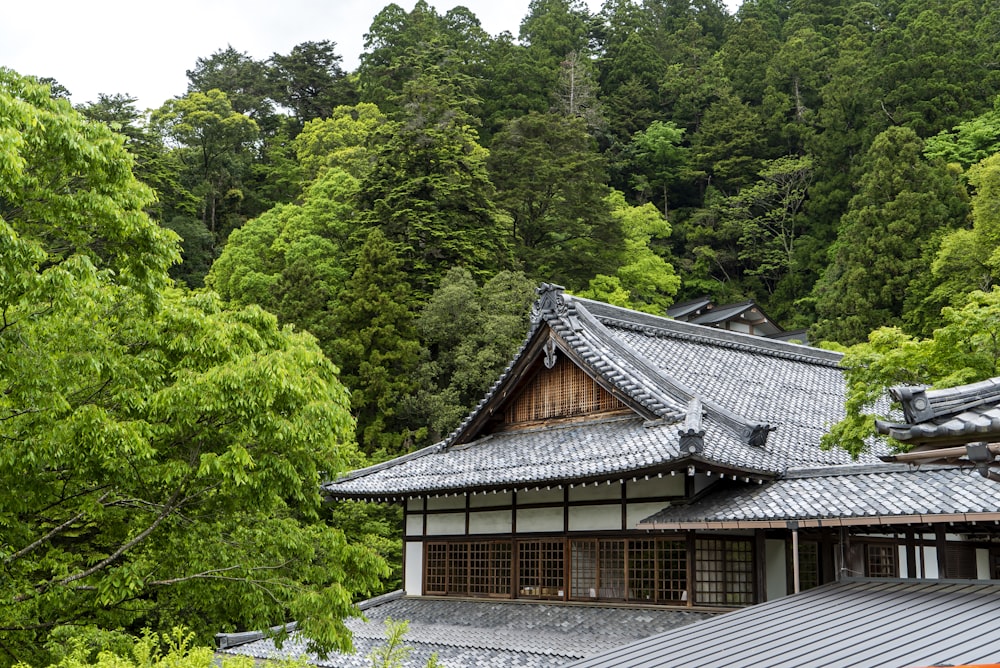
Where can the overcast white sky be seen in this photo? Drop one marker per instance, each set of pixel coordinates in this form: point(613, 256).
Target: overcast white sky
point(143, 48)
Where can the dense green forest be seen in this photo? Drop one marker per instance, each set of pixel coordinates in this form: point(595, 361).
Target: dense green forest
point(838, 162)
point(831, 161)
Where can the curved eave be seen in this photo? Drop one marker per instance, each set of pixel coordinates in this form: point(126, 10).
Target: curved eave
point(686, 466)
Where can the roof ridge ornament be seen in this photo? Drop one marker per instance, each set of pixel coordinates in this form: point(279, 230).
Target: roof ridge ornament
point(550, 300)
point(693, 433)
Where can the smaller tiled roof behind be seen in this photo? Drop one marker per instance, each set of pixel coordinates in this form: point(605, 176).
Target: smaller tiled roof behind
point(843, 493)
point(486, 634)
point(850, 624)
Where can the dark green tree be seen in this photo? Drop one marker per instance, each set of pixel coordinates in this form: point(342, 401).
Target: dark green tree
point(551, 181)
point(310, 81)
point(377, 349)
point(428, 189)
point(882, 244)
point(471, 332)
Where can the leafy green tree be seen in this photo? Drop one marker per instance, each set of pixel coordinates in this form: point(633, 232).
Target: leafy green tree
point(963, 349)
point(212, 139)
point(551, 181)
point(769, 215)
point(243, 80)
point(660, 159)
point(292, 260)
point(161, 455)
point(645, 280)
point(377, 349)
point(154, 164)
point(471, 333)
point(968, 259)
point(881, 247)
point(342, 140)
point(969, 142)
point(197, 251)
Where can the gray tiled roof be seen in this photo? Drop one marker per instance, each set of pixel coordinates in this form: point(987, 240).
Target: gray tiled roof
point(859, 493)
point(747, 385)
point(949, 416)
point(491, 634)
point(849, 624)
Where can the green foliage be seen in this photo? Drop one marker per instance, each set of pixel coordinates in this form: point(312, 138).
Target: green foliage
point(964, 349)
point(162, 455)
point(292, 259)
point(551, 181)
point(339, 141)
point(376, 348)
point(880, 248)
point(471, 332)
point(428, 190)
point(176, 649)
point(70, 208)
point(310, 80)
point(394, 653)
point(645, 280)
point(213, 139)
point(969, 142)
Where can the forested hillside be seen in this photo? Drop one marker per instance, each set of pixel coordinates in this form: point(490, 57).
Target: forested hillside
point(835, 161)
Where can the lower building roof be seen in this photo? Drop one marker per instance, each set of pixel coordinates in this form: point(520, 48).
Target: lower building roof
point(486, 634)
point(849, 624)
point(848, 495)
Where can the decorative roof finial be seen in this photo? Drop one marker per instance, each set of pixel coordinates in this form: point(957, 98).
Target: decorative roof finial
point(550, 300)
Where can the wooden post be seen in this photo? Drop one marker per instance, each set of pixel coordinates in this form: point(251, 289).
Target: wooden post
point(795, 560)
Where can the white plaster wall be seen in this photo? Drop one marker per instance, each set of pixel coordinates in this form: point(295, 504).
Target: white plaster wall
point(539, 519)
point(414, 573)
point(930, 562)
point(446, 524)
point(595, 518)
point(775, 571)
point(446, 503)
point(415, 505)
point(668, 485)
point(414, 525)
point(901, 560)
point(982, 563)
point(542, 495)
point(636, 512)
point(601, 492)
point(490, 521)
point(490, 500)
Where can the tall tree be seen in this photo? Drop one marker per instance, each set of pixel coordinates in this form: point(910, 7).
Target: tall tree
point(213, 140)
point(161, 455)
point(310, 80)
point(428, 189)
point(881, 246)
point(377, 349)
point(552, 182)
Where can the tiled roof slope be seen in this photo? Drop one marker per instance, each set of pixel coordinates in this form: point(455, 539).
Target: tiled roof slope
point(849, 624)
point(949, 416)
point(488, 634)
point(849, 495)
point(765, 405)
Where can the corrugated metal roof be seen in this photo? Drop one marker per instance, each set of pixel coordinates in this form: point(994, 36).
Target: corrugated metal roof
point(487, 634)
point(864, 493)
point(850, 624)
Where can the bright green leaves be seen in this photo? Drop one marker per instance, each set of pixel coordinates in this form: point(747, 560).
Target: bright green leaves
point(964, 348)
point(162, 455)
point(66, 189)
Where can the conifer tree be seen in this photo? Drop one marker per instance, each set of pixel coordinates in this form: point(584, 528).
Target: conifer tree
point(882, 244)
point(377, 348)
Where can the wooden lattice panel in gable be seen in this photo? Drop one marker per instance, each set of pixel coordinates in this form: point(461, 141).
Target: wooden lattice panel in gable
point(562, 391)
